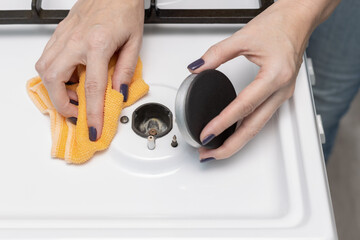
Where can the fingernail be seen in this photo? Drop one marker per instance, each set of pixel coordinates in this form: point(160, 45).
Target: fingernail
point(196, 64)
point(207, 159)
point(70, 83)
point(92, 134)
point(124, 89)
point(208, 139)
point(74, 102)
point(73, 120)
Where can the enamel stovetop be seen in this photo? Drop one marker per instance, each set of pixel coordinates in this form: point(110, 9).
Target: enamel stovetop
point(275, 188)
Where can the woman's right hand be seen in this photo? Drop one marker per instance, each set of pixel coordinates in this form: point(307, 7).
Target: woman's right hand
point(275, 40)
point(92, 32)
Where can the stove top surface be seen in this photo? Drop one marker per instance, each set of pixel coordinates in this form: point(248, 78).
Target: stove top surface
point(274, 187)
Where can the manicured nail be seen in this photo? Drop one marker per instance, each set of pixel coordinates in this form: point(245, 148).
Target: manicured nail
point(195, 65)
point(70, 83)
point(74, 102)
point(124, 89)
point(92, 134)
point(73, 120)
point(207, 159)
point(207, 139)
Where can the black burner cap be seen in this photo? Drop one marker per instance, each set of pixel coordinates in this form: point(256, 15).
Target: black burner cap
point(208, 93)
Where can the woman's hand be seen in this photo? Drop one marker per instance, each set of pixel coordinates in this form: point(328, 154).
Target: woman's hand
point(92, 32)
point(275, 40)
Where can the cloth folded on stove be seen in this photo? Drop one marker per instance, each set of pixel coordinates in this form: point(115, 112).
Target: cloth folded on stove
point(71, 142)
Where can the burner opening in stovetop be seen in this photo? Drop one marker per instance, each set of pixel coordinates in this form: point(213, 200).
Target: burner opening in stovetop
point(152, 119)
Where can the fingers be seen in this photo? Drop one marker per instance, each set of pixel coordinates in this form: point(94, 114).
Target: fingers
point(95, 86)
point(47, 59)
point(74, 101)
point(54, 79)
point(61, 100)
point(73, 97)
point(244, 104)
point(52, 50)
point(90, 37)
point(218, 54)
point(73, 79)
point(125, 67)
point(249, 127)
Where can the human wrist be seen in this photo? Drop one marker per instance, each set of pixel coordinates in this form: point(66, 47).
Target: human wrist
point(316, 10)
point(298, 19)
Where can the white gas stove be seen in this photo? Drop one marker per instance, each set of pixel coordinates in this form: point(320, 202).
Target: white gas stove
point(274, 188)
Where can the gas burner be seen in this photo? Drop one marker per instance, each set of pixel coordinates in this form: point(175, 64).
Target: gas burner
point(152, 119)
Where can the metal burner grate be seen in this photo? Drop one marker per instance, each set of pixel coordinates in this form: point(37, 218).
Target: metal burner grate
point(37, 15)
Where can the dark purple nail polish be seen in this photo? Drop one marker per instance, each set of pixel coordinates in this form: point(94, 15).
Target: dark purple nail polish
point(73, 120)
point(196, 64)
point(74, 102)
point(124, 89)
point(207, 139)
point(207, 159)
point(92, 134)
point(70, 83)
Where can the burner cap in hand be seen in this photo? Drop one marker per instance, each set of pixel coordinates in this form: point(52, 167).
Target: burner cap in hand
point(200, 98)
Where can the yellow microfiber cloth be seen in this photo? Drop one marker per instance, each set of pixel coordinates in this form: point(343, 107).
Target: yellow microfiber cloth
point(71, 142)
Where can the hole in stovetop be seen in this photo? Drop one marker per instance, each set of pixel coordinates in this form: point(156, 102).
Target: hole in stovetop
point(152, 119)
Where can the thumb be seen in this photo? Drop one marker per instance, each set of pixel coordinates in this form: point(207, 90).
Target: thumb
point(218, 54)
